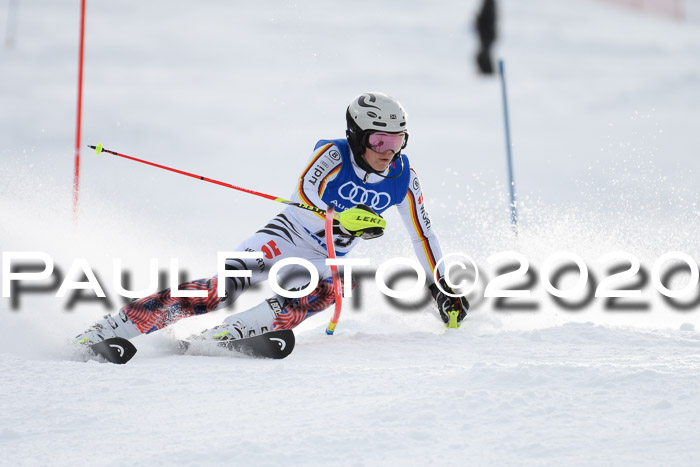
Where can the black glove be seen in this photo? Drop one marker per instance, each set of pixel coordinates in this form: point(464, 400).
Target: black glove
point(445, 303)
point(360, 221)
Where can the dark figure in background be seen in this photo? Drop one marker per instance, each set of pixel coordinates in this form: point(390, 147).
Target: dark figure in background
point(486, 26)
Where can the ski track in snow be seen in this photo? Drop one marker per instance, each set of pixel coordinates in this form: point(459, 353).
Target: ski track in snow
point(604, 104)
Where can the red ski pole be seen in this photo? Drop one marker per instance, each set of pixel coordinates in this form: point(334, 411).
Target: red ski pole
point(334, 272)
point(99, 149)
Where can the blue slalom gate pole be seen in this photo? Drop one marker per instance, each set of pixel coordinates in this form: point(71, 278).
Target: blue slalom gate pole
point(11, 28)
point(509, 155)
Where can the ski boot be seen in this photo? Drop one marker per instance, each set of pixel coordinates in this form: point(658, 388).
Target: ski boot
point(108, 327)
point(253, 322)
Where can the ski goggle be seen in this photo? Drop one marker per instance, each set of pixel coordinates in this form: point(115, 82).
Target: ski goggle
point(380, 142)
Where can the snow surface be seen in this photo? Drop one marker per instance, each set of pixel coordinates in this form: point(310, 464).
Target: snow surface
point(604, 106)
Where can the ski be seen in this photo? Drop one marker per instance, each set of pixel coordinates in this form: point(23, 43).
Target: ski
point(115, 350)
point(274, 344)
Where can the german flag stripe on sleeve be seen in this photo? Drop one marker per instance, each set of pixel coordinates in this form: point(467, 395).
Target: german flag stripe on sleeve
point(302, 195)
point(419, 230)
point(322, 187)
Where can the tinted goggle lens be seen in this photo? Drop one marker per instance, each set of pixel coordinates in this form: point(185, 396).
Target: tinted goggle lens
point(381, 142)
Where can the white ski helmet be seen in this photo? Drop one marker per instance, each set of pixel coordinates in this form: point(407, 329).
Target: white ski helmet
point(373, 111)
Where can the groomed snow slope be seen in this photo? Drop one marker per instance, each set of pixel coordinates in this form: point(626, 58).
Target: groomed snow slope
point(604, 107)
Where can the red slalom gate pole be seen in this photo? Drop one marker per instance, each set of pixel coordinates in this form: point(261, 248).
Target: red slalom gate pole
point(76, 172)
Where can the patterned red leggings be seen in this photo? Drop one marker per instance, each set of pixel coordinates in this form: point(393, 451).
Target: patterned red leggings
point(160, 309)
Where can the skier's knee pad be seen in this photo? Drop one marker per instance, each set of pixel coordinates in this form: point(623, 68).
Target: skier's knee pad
point(235, 286)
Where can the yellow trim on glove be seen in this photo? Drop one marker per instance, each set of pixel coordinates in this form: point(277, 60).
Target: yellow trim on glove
point(357, 220)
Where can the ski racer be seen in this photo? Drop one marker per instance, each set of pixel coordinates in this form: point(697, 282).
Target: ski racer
point(364, 173)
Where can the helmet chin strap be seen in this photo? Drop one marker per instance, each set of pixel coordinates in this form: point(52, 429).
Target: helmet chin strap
point(367, 168)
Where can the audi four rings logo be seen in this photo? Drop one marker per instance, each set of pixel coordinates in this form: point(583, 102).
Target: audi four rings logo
point(359, 195)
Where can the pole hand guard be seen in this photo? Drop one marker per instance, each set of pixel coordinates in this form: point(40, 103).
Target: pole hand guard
point(452, 309)
point(360, 221)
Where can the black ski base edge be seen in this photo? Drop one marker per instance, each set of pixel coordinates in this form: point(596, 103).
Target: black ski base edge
point(274, 344)
point(115, 350)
